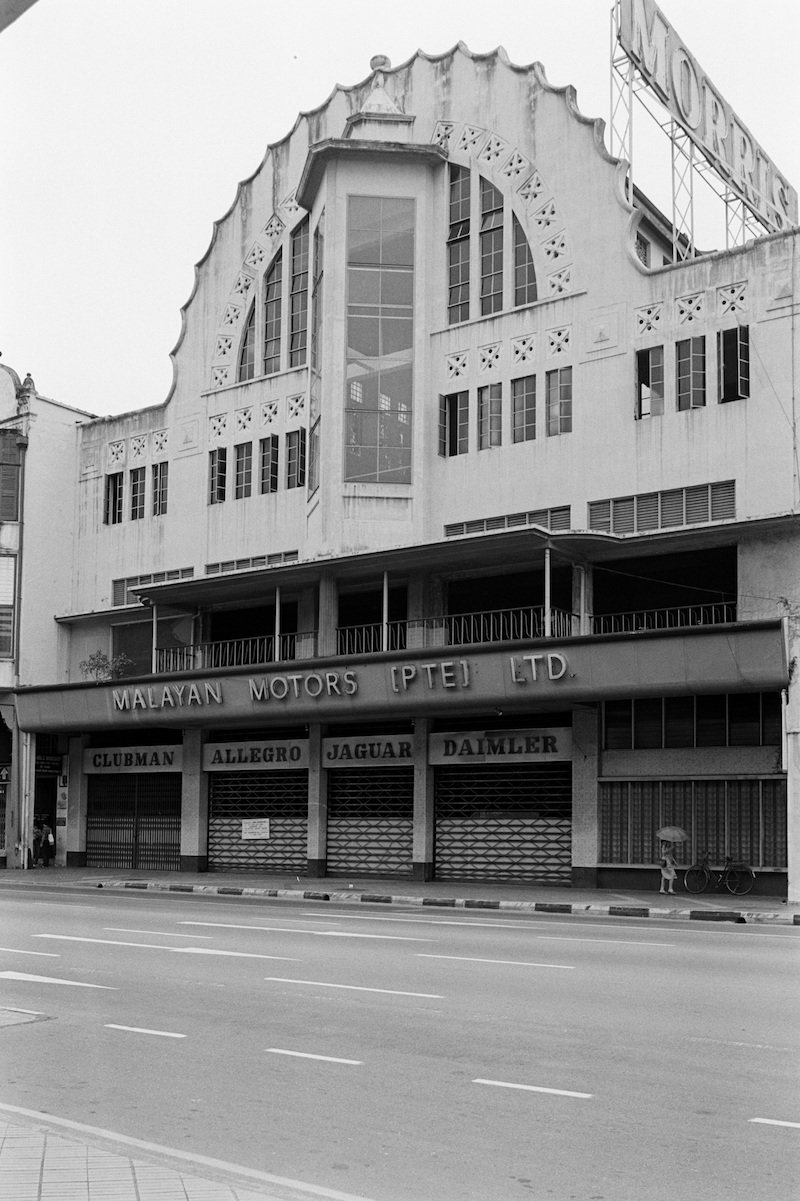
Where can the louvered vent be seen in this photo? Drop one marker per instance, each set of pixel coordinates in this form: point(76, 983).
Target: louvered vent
point(664, 510)
point(549, 519)
point(121, 589)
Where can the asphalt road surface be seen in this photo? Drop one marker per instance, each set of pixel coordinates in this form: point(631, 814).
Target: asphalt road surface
point(414, 1055)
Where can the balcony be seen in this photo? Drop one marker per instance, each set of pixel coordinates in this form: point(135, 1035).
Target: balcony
point(429, 633)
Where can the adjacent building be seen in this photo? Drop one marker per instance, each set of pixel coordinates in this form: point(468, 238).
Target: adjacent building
point(465, 544)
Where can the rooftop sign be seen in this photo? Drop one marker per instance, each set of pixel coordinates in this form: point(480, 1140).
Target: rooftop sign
point(687, 93)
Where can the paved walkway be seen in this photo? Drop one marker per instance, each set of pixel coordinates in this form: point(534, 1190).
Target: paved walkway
point(710, 906)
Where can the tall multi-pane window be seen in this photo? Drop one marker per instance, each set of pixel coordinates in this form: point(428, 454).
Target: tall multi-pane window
point(490, 416)
point(243, 470)
point(296, 459)
point(491, 248)
point(523, 408)
point(559, 401)
point(691, 373)
point(269, 463)
point(298, 297)
point(160, 488)
point(272, 316)
point(138, 485)
point(524, 274)
point(380, 329)
point(10, 457)
point(454, 424)
point(733, 357)
point(458, 246)
point(650, 382)
point(112, 511)
point(247, 354)
point(217, 475)
point(7, 582)
point(315, 385)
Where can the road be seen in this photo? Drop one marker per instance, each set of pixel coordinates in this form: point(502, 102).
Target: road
point(414, 1055)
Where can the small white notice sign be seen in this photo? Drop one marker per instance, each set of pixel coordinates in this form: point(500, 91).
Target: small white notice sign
point(254, 828)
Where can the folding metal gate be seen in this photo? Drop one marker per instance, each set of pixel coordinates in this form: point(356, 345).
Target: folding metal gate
point(371, 821)
point(504, 823)
point(281, 796)
point(134, 821)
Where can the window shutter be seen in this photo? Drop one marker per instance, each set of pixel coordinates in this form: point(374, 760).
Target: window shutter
point(723, 500)
point(697, 506)
point(672, 507)
point(622, 515)
point(600, 515)
point(442, 425)
point(647, 511)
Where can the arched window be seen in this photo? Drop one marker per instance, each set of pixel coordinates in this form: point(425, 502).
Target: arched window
point(272, 316)
point(247, 354)
point(476, 207)
point(298, 297)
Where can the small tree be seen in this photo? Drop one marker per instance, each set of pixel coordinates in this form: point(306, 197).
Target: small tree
point(99, 667)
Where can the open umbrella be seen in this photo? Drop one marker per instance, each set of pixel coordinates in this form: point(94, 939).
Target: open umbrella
point(672, 834)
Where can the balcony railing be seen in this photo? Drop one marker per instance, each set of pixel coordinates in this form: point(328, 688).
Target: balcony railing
point(421, 633)
point(237, 652)
point(664, 619)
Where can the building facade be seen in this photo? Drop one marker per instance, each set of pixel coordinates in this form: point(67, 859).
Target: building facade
point(465, 544)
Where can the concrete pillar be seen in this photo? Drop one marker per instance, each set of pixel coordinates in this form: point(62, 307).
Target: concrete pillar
point(423, 844)
point(77, 803)
point(582, 599)
point(328, 614)
point(585, 770)
point(317, 853)
point(194, 805)
point(792, 726)
point(415, 610)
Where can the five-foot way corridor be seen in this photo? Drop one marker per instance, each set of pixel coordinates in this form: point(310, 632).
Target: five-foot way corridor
point(411, 1055)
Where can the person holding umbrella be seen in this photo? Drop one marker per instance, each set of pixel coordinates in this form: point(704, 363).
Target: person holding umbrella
point(668, 836)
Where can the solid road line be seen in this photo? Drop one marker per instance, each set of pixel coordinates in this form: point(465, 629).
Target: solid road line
point(185, 1157)
point(394, 992)
point(511, 962)
point(534, 1088)
point(142, 1030)
point(307, 1055)
point(44, 954)
point(154, 946)
point(775, 1122)
point(53, 980)
point(318, 933)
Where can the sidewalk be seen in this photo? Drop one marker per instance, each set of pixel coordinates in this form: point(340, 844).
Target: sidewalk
point(710, 906)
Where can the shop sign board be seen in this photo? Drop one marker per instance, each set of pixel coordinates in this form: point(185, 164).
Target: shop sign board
point(273, 755)
point(501, 747)
point(255, 829)
point(368, 752)
point(687, 93)
point(113, 760)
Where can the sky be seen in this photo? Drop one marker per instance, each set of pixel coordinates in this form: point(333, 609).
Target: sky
point(126, 125)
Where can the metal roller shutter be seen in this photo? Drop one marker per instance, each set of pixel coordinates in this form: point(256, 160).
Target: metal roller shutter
point(504, 823)
point(371, 821)
point(134, 821)
point(282, 796)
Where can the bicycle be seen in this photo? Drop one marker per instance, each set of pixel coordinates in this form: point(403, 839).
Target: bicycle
point(738, 878)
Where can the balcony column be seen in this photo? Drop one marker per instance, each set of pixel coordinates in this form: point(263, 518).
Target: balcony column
point(548, 617)
point(415, 611)
point(154, 662)
point(317, 840)
point(582, 583)
point(276, 646)
point(422, 867)
point(385, 613)
point(328, 613)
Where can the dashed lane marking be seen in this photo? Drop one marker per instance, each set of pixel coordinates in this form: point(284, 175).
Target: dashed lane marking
point(510, 962)
point(534, 1088)
point(775, 1122)
point(626, 942)
point(307, 1055)
point(52, 980)
point(394, 992)
point(143, 1030)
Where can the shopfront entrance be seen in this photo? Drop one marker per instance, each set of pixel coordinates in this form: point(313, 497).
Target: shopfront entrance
point(134, 821)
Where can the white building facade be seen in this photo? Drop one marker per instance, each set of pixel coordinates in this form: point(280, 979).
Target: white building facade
point(464, 546)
